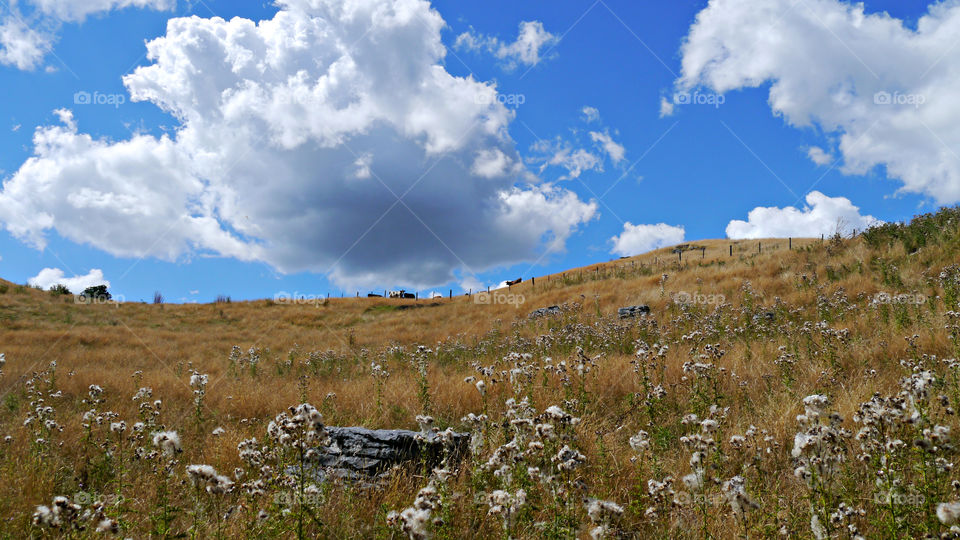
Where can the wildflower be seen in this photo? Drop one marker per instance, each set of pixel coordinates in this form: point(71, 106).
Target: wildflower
point(736, 496)
point(693, 481)
point(218, 431)
point(602, 514)
point(819, 532)
point(206, 476)
point(44, 517)
point(568, 459)
point(426, 424)
point(640, 442)
point(557, 414)
point(505, 504)
point(118, 427)
point(168, 442)
point(107, 525)
point(301, 428)
point(60, 512)
point(948, 513)
point(416, 519)
point(481, 387)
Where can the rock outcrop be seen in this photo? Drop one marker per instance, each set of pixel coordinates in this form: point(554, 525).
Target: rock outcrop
point(633, 311)
point(357, 453)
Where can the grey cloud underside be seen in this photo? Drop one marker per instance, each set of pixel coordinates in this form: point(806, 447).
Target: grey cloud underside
point(312, 201)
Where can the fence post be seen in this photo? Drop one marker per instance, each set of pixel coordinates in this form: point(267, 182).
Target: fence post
point(731, 250)
point(680, 255)
point(451, 294)
point(703, 252)
point(790, 242)
point(759, 247)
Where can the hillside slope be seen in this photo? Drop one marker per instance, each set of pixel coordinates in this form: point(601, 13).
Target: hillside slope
point(738, 340)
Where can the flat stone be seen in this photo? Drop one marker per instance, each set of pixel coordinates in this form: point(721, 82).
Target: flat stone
point(629, 312)
point(357, 453)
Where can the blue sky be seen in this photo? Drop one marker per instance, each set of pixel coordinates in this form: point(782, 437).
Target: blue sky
point(697, 166)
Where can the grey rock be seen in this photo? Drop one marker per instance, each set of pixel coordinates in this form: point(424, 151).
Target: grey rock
point(361, 454)
point(633, 311)
point(543, 312)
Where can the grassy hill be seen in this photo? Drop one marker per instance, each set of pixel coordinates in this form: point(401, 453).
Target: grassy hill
point(745, 341)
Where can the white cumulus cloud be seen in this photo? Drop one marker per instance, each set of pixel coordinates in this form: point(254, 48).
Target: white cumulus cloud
point(29, 29)
point(637, 239)
point(48, 277)
point(819, 156)
point(301, 146)
point(822, 215)
point(887, 92)
point(532, 38)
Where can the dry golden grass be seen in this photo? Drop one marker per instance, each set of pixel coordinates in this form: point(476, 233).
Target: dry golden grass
point(107, 344)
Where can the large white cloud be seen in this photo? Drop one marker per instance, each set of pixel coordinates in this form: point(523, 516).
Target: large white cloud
point(532, 38)
point(887, 92)
point(29, 29)
point(637, 239)
point(48, 277)
point(297, 136)
point(822, 215)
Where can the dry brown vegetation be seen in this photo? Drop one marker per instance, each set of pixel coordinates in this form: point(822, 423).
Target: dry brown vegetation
point(774, 327)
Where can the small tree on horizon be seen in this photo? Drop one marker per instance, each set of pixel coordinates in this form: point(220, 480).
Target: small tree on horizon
point(98, 292)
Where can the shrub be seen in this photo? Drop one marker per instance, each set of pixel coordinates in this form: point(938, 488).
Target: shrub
point(60, 289)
